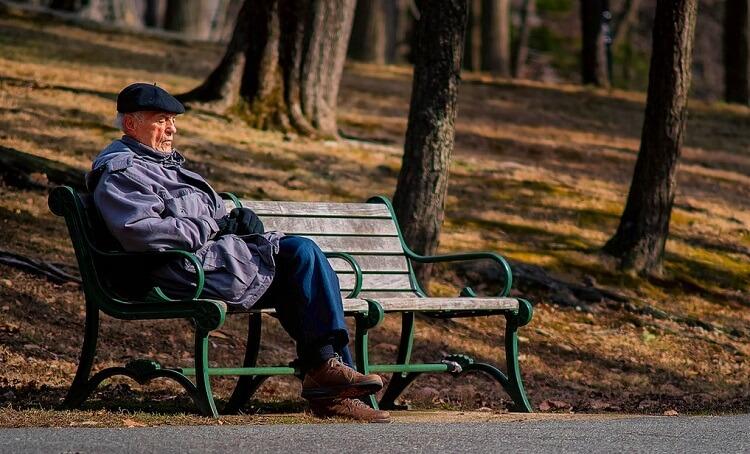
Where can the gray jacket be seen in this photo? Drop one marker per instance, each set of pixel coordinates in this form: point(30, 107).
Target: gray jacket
point(150, 202)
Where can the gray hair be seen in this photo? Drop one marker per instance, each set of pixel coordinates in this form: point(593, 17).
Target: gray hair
point(120, 119)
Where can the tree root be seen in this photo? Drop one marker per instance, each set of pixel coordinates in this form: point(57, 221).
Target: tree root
point(52, 271)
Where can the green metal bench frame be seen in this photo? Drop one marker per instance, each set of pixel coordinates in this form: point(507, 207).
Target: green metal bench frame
point(208, 315)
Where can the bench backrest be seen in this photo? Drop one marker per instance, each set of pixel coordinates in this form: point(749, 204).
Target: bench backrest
point(104, 281)
point(367, 231)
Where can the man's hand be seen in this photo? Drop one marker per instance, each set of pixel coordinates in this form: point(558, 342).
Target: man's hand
point(247, 221)
point(240, 221)
point(227, 226)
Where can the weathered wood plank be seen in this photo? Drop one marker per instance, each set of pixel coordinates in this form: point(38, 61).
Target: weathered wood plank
point(344, 226)
point(376, 281)
point(355, 244)
point(317, 208)
point(377, 295)
point(372, 263)
point(351, 306)
point(446, 304)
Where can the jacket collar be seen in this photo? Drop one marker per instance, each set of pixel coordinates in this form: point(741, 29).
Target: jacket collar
point(173, 159)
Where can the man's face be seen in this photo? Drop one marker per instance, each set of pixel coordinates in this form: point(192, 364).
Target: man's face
point(155, 129)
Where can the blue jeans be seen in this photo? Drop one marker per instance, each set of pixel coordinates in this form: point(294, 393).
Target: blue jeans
point(306, 296)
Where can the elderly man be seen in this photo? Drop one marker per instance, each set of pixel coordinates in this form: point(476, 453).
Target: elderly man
point(149, 201)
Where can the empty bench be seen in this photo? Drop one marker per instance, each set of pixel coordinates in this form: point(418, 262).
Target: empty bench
point(375, 268)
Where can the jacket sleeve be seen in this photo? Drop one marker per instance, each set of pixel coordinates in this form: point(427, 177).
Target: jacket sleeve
point(133, 214)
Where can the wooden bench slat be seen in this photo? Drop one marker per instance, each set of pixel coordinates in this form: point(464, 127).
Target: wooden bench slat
point(301, 226)
point(446, 304)
point(317, 209)
point(406, 304)
point(376, 281)
point(372, 263)
point(381, 294)
point(351, 306)
point(358, 244)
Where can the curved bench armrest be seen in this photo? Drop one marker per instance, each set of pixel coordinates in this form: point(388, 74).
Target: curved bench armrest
point(165, 255)
point(355, 266)
point(468, 256)
point(232, 197)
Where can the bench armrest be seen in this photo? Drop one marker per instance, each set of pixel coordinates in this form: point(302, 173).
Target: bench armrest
point(232, 197)
point(467, 256)
point(165, 255)
point(355, 266)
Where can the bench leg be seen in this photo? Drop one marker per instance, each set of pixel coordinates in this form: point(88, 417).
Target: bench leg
point(79, 389)
point(515, 383)
point(399, 381)
point(247, 385)
point(363, 324)
point(205, 400)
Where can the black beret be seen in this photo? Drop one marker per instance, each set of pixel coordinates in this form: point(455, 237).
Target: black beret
point(138, 97)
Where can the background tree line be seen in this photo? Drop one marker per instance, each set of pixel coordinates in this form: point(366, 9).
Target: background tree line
point(599, 42)
point(282, 67)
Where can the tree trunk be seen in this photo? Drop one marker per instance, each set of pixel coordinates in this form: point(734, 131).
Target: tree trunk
point(521, 52)
point(496, 36)
point(641, 236)
point(66, 5)
point(368, 40)
point(736, 86)
point(153, 14)
point(473, 42)
point(191, 17)
point(625, 21)
point(283, 66)
point(593, 51)
point(423, 181)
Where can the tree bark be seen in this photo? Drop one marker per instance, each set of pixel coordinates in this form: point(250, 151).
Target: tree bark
point(641, 236)
point(283, 66)
point(473, 42)
point(368, 40)
point(593, 51)
point(496, 36)
point(736, 70)
point(419, 200)
point(521, 52)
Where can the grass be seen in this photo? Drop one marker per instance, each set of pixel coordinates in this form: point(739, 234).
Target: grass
point(540, 173)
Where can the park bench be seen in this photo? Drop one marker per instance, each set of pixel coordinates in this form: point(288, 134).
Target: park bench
point(366, 249)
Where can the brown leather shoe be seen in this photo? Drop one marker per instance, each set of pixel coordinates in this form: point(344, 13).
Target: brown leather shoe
point(348, 408)
point(334, 379)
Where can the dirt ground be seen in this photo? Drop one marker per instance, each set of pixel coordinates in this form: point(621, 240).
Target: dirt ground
point(540, 173)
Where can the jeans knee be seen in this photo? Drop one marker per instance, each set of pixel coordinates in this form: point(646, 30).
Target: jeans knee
point(304, 250)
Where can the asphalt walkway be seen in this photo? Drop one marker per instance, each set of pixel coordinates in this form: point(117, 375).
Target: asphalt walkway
point(703, 434)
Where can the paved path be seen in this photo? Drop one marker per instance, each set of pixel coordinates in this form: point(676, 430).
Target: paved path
point(705, 434)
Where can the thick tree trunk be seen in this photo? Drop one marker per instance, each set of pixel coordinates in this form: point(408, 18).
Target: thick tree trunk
point(368, 40)
point(593, 51)
point(423, 181)
point(496, 36)
point(473, 42)
point(283, 66)
point(191, 17)
point(521, 53)
point(736, 36)
point(644, 226)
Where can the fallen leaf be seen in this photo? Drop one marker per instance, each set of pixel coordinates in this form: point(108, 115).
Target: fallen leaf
point(132, 423)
